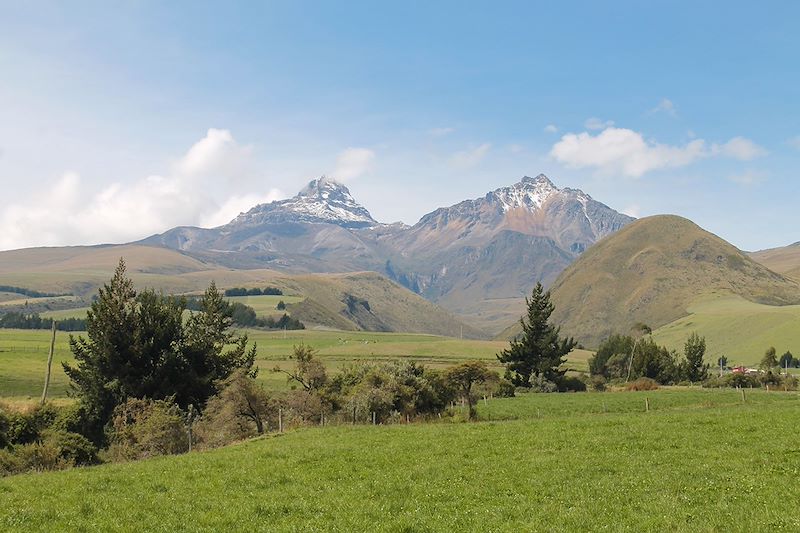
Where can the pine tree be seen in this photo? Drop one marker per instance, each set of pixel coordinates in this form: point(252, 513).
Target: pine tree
point(538, 351)
point(139, 347)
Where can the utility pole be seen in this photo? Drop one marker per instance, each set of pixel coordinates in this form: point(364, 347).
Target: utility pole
point(49, 363)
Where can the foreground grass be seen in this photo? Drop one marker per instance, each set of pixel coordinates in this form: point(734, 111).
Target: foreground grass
point(694, 466)
point(23, 354)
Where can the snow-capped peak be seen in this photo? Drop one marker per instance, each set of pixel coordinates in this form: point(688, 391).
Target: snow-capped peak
point(530, 193)
point(323, 200)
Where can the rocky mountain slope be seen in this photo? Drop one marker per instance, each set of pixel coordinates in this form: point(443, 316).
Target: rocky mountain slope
point(478, 258)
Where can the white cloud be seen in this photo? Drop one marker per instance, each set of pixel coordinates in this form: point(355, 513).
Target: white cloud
point(665, 106)
point(739, 148)
point(216, 153)
point(471, 157)
point(626, 152)
point(551, 128)
point(197, 191)
point(749, 177)
point(595, 123)
point(794, 142)
point(353, 163)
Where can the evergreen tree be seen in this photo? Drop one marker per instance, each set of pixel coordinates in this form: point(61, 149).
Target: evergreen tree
point(139, 347)
point(694, 350)
point(539, 350)
point(769, 361)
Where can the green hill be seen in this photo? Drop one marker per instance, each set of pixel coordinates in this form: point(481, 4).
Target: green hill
point(652, 271)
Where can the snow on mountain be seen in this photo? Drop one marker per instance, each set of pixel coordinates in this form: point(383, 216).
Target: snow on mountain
point(323, 200)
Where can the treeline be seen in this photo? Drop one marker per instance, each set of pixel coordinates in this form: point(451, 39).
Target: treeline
point(30, 292)
point(241, 291)
point(628, 359)
point(245, 316)
point(17, 320)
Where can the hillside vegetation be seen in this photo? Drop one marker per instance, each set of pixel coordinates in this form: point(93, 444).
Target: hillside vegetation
point(651, 271)
point(352, 301)
point(699, 460)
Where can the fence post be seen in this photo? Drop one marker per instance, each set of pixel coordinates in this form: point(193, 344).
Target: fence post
point(49, 364)
point(280, 420)
point(647, 404)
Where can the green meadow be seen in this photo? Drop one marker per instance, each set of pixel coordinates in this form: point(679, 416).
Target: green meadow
point(699, 460)
point(736, 328)
point(23, 354)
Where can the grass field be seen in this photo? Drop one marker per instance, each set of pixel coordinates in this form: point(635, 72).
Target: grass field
point(23, 354)
point(736, 328)
point(698, 461)
point(264, 305)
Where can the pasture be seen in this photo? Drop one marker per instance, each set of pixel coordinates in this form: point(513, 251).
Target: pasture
point(264, 305)
point(23, 354)
point(736, 328)
point(699, 460)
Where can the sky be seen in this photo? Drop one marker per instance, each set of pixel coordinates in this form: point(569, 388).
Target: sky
point(119, 120)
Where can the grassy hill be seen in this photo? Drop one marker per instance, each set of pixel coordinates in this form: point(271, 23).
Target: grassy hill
point(698, 461)
point(352, 301)
point(784, 260)
point(652, 271)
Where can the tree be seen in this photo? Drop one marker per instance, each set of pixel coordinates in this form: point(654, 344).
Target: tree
point(640, 329)
point(694, 350)
point(722, 362)
point(464, 376)
point(138, 346)
point(308, 372)
point(538, 350)
point(787, 360)
point(769, 361)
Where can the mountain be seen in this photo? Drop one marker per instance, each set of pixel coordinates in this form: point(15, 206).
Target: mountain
point(481, 257)
point(784, 260)
point(478, 258)
point(652, 271)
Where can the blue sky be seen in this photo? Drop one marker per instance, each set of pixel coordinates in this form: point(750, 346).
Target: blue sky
point(118, 120)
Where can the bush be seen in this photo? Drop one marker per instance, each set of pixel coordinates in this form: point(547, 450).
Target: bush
point(642, 384)
point(39, 457)
point(146, 428)
point(542, 384)
point(571, 384)
point(505, 389)
point(26, 428)
point(73, 449)
point(597, 383)
point(242, 409)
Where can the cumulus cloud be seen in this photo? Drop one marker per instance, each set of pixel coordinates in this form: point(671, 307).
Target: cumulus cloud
point(353, 163)
point(236, 205)
point(633, 211)
point(471, 157)
point(595, 123)
point(196, 191)
point(551, 128)
point(624, 151)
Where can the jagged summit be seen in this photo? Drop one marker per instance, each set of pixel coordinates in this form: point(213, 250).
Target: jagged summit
point(323, 200)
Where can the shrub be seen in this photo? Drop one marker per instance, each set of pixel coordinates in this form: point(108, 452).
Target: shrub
point(542, 384)
point(597, 383)
point(571, 384)
point(145, 428)
point(39, 456)
point(73, 449)
point(242, 409)
point(642, 384)
point(504, 389)
point(26, 428)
